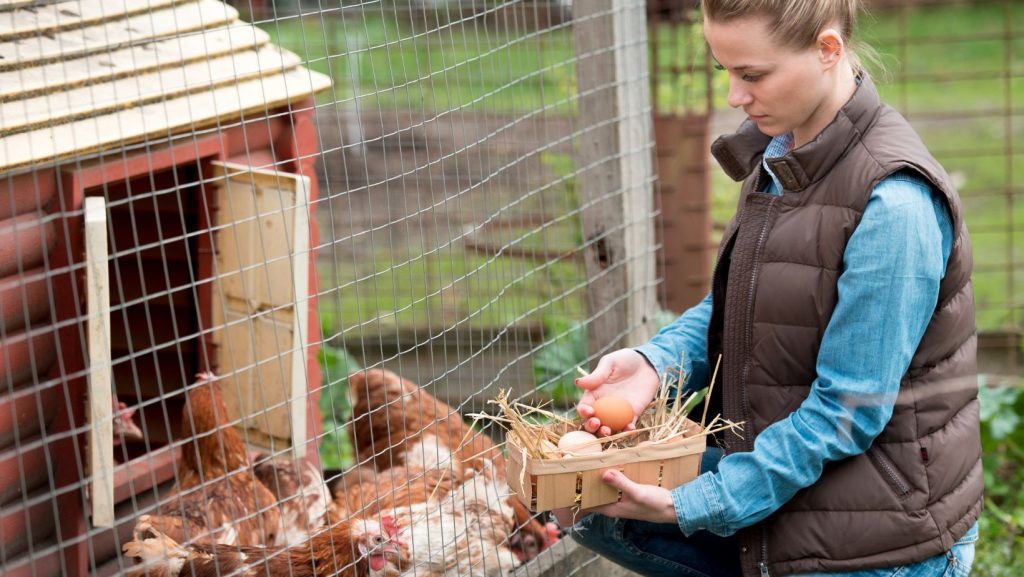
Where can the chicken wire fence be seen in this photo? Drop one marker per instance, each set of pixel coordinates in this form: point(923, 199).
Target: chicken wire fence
point(259, 260)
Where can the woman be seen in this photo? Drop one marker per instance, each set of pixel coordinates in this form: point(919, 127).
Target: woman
point(842, 311)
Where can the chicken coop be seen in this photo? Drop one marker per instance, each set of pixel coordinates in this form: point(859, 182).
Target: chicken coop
point(156, 169)
point(258, 260)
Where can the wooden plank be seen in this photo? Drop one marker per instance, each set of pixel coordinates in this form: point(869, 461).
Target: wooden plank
point(158, 120)
point(160, 85)
point(615, 182)
point(260, 300)
point(174, 21)
point(101, 426)
point(53, 18)
point(300, 330)
point(7, 5)
point(134, 60)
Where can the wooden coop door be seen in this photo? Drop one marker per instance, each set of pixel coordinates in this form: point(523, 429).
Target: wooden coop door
point(260, 301)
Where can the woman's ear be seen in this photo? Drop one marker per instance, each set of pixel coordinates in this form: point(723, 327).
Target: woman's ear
point(830, 47)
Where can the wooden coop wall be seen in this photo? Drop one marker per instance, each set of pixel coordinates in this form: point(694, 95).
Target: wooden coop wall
point(161, 300)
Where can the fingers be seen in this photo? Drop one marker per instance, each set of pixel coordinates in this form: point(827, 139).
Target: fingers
point(585, 407)
point(599, 376)
point(592, 425)
point(618, 479)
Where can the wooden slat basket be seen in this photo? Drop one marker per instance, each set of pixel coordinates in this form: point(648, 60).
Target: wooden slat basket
point(547, 484)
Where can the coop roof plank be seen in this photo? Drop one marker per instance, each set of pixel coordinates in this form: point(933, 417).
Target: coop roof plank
point(6, 5)
point(160, 85)
point(176, 20)
point(131, 61)
point(158, 120)
point(52, 18)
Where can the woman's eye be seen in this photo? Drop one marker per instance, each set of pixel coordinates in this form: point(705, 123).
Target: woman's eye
point(752, 77)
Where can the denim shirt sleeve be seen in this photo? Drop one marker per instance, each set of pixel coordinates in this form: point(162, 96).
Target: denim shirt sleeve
point(683, 344)
point(887, 291)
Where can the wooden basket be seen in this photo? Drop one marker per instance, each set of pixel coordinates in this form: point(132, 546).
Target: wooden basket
point(546, 484)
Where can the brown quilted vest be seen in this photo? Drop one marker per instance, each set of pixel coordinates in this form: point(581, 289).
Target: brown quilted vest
point(919, 487)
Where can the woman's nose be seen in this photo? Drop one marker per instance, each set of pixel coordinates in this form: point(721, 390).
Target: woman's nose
point(738, 95)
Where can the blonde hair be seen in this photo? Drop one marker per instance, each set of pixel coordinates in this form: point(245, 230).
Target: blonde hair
point(797, 23)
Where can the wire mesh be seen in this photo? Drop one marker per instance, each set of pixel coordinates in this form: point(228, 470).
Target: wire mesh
point(297, 195)
point(287, 197)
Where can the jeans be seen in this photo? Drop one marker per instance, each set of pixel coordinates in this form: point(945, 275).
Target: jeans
point(656, 549)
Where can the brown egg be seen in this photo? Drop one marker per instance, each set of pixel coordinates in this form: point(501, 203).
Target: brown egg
point(613, 412)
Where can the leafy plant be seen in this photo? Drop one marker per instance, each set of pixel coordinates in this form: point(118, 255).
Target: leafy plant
point(554, 365)
point(336, 451)
point(1000, 551)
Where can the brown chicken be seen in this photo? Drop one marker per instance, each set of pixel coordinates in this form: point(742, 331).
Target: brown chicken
point(355, 548)
point(301, 494)
point(442, 525)
point(395, 423)
point(217, 498)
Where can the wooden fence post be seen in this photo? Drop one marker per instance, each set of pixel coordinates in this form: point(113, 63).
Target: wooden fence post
point(613, 155)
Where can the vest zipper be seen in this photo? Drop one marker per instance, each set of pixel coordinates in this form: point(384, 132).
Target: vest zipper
point(889, 471)
point(750, 312)
point(764, 553)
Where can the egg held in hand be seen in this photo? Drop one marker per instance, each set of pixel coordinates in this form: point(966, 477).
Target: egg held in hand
point(613, 412)
point(576, 442)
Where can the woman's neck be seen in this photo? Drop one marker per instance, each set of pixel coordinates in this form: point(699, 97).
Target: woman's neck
point(843, 89)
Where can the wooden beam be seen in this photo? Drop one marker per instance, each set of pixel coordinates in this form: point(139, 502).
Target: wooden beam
point(159, 120)
point(139, 29)
point(131, 61)
point(300, 338)
point(53, 18)
point(100, 397)
point(154, 87)
point(615, 175)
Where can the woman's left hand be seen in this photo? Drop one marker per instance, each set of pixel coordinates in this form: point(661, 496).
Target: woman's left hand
point(640, 502)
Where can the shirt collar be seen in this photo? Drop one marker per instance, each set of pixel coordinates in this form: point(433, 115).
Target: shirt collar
point(779, 146)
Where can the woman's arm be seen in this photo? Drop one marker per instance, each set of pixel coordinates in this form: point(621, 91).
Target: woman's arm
point(684, 343)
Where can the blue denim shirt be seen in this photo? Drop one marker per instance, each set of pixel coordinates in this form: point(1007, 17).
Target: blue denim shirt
point(892, 267)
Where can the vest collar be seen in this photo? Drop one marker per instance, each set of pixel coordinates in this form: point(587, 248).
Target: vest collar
point(739, 153)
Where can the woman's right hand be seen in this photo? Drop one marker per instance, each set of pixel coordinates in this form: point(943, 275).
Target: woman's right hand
point(624, 373)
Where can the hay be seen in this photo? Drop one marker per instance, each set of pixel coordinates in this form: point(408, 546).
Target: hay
point(537, 430)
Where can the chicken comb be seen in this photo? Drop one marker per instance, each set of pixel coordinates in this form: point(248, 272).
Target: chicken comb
point(388, 524)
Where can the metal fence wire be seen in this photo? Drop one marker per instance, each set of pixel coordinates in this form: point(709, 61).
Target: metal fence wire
point(259, 260)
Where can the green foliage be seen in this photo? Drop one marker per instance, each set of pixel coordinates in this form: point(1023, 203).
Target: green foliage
point(554, 364)
point(336, 451)
point(1000, 551)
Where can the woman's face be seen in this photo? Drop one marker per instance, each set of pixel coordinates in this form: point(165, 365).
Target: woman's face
point(780, 88)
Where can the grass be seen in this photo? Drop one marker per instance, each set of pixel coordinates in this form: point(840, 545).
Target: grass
point(378, 61)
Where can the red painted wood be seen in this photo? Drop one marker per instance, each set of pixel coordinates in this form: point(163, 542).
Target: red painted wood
point(25, 411)
point(21, 525)
point(24, 298)
point(26, 192)
point(116, 169)
point(27, 354)
point(45, 564)
point(22, 471)
point(254, 135)
point(23, 241)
